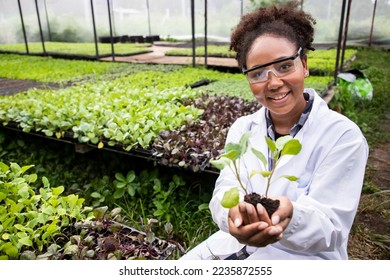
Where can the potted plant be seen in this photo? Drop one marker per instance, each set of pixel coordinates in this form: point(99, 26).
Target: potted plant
point(283, 146)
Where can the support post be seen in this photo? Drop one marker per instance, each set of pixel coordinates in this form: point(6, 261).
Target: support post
point(47, 22)
point(345, 35)
point(94, 31)
point(336, 70)
point(148, 8)
point(193, 31)
point(40, 28)
point(205, 33)
point(372, 24)
point(23, 27)
point(111, 37)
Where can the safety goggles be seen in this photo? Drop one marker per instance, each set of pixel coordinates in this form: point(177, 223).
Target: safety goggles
point(280, 67)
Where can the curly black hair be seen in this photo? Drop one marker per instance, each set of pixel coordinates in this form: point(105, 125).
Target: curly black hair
point(287, 21)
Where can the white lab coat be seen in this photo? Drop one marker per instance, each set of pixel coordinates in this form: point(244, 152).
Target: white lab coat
point(330, 168)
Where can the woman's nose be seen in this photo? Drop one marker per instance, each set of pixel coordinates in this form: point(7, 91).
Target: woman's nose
point(273, 80)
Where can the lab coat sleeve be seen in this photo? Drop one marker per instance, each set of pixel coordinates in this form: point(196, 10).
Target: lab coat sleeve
point(323, 218)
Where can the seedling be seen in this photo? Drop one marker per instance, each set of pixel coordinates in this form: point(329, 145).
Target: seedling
point(283, 146)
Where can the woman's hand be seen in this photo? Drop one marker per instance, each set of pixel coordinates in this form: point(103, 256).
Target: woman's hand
point(254, 227)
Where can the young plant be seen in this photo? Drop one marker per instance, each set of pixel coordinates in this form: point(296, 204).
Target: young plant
point(283, 146)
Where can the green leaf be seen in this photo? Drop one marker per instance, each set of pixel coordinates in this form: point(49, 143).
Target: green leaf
point(203, 206)
point(131, 190)
point(232, 151)
point(59, 190)
point(119, 193)
point(244, 142)
point(130, 177)
point(25, 168)
point(99, 212)
point(61, 211)
point(45, 182)
point(220, 163)
point(291, 178)
point(292, 147)
point(271, 144)
point(25, 241)
point(231, 198)
point(2, 196)
point(260, 156)
point(95, 195)
point(10, 249)
point(32, 178)
point(265, 174)
point(4, 168)
point(120, 177)
point(120, 185)
point(281, 141)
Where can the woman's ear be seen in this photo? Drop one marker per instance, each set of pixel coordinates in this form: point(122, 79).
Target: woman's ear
point(305, 67)
point(304, 62)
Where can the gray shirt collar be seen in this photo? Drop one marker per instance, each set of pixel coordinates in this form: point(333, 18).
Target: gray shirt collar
point(295, 129)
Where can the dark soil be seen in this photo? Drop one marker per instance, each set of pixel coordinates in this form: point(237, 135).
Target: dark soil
point(270, 205)
point(11, 86)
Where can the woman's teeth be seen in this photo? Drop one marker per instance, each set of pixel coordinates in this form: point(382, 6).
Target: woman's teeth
point(278, 97)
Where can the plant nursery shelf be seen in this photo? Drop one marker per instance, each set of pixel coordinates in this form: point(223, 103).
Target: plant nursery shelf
point(87, 147)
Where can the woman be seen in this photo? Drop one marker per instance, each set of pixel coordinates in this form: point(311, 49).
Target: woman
point(316, 212)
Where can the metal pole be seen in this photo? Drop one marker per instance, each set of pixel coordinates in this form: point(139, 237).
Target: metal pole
point(336, 70)
point(47, 22)
point(345, 35)
point(113, 18)
point(147, 6)
point(372, 24)
point(111, 38)
point(24, 29)
point(193, 31)
point(242, 7)
point(40, 28)
point(205, 33)
point(94, 30)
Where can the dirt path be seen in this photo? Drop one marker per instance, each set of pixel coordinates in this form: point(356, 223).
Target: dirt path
point(379, 160)
point(158, 56)
point(369, 239)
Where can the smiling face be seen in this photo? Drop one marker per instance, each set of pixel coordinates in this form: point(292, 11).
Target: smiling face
point(283, 96)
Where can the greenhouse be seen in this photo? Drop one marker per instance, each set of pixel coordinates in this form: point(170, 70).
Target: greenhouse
point(113, 113)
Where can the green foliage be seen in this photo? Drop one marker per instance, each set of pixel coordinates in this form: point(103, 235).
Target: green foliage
point(235, 86)
point(283, 146)
point(111, 111)
point(149, 193)
point(319, 83)
point(93, 175)
point(368, 113)
point(87, 49)
point(47, 69)
point(30, 217)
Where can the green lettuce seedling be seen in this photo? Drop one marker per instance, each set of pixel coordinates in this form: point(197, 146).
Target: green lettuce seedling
point(283, 146)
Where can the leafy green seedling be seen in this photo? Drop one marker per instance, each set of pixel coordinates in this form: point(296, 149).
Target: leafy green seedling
point(283, 146)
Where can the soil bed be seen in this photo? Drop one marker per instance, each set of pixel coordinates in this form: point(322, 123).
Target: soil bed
point(12, 86)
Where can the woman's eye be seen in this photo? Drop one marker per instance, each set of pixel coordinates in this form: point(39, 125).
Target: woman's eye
point(285, 66)
point(258, 73)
